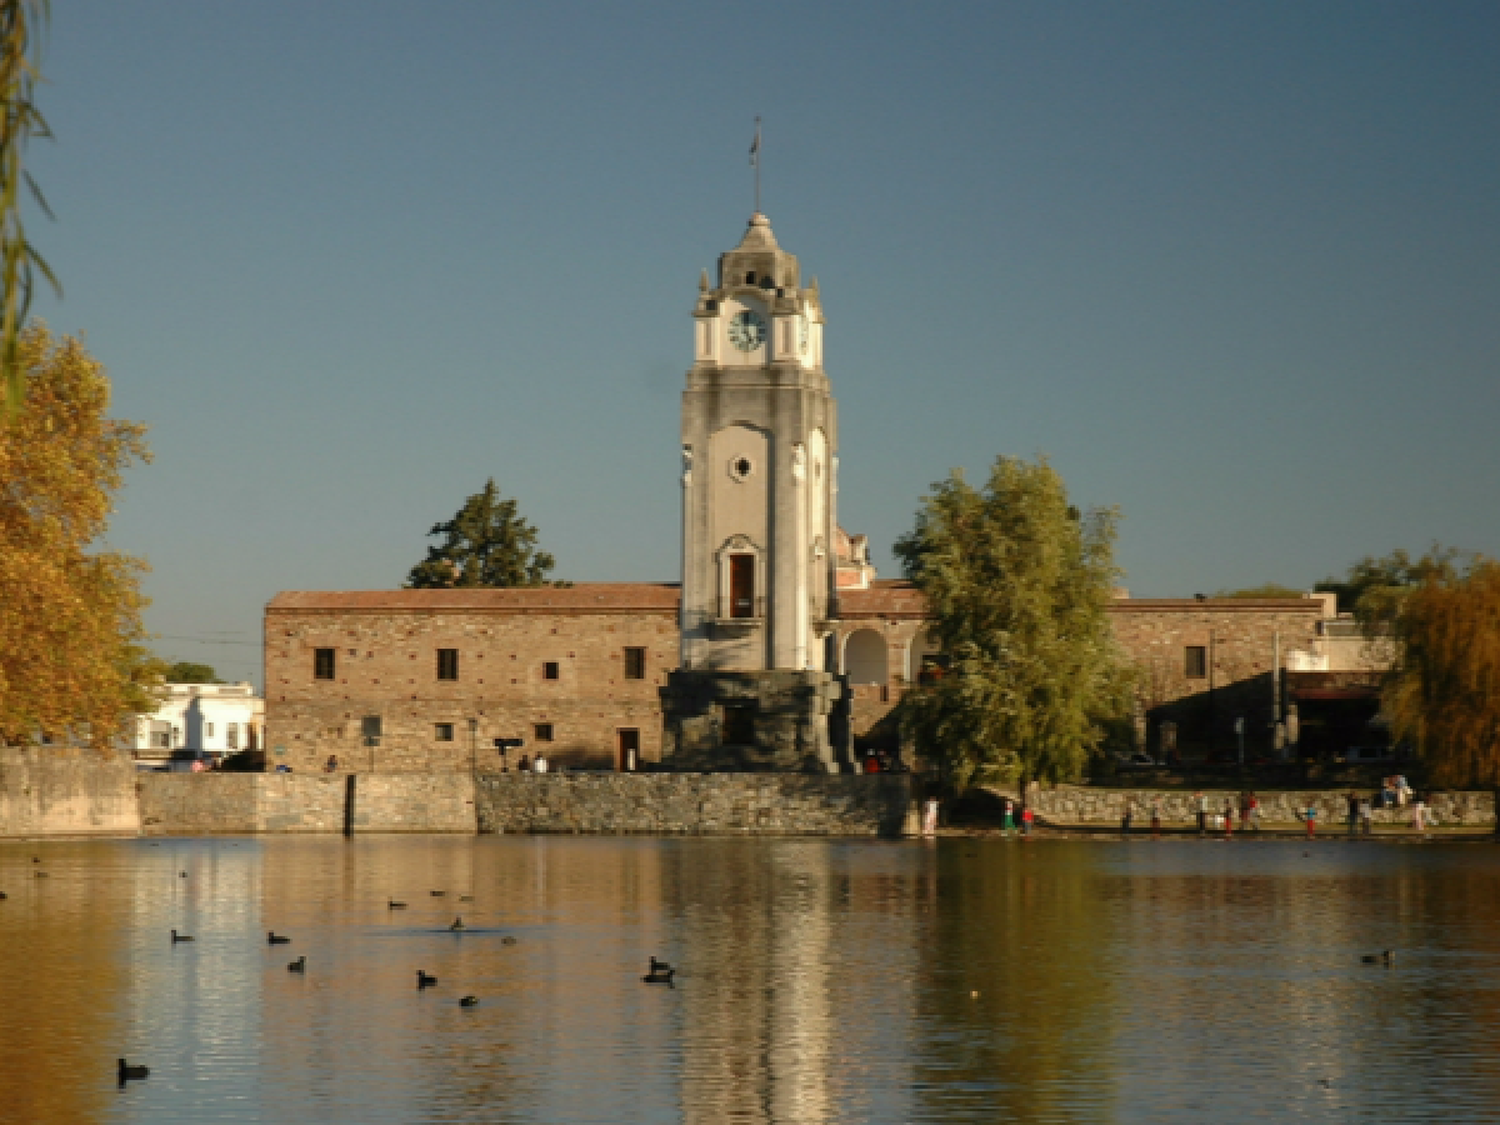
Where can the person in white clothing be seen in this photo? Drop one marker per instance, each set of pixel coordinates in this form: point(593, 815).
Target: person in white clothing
point(539, 764)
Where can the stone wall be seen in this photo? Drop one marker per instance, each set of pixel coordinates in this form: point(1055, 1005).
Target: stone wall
point(697, 804)
point(385, 663)
point(1087, 805)
point(186, 804)
point(50, 791)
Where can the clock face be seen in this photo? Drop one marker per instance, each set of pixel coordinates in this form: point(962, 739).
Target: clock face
point(747, 331)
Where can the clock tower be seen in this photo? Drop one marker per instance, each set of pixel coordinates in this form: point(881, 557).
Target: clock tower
point(759, 460)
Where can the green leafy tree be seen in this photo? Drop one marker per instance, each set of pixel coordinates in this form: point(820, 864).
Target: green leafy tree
point(187, 672)
point(20, 21)
point(72, 658)
point(485, 544)
point(1374, 587)
point(1017, 581)
point(1443, 695)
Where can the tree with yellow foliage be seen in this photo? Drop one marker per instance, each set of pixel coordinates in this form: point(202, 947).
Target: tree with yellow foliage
point(72, 662)
point(1444, 693)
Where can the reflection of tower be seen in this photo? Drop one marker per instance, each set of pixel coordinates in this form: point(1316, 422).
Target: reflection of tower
point(759, 438)
point(759, 1035)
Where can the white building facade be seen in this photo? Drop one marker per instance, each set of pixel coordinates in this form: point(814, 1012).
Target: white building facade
point(201, 719)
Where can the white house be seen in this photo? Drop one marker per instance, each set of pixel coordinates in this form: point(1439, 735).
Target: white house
point(214, 719)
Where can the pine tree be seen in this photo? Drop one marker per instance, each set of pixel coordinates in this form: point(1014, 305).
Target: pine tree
point(1017, 581)
point(486, 543)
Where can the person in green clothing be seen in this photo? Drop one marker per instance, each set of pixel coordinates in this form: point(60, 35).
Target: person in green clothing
point(1008, 817)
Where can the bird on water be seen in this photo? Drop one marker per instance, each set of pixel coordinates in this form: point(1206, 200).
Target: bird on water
point(661, 973)
point(1386, 957)
point(468, 1002)
point(437, 894)
point(458, 924)
point(130, 1073)
point(176, 937)
point(298, 966)
point(425, 979)
point(273, 938)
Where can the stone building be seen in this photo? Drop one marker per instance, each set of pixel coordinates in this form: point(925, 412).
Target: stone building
point(779, 650)
point(577, 671)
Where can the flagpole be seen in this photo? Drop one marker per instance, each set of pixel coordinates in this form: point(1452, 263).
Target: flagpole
point(755, 159)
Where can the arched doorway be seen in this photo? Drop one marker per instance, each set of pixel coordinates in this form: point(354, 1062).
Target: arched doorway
point(864, 657)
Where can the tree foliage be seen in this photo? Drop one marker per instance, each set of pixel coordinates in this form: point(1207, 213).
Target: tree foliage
point(1374, 587)
point(1443, 694)
point(20, 23)
point(71, 655)
point(189, 672)
point(1017, 581)
point(486, 543)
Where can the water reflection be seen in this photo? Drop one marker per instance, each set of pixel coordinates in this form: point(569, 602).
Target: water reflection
point(820, 981)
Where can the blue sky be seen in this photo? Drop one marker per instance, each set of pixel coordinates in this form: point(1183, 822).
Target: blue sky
point(1233, 267)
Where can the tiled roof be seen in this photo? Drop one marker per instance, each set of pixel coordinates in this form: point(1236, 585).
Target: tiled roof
point(585, 596)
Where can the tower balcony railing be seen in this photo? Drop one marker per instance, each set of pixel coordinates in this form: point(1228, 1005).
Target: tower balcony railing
point(739, 615)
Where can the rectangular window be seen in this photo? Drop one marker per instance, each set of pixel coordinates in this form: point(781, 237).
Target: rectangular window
point(1197, 662)
point(442, 732)
point(323, 663)
point(232, 736)
point(635, 664)
point(741, 585)
point(447, 663)
point(208, 730)
point(542, 732)
point(550, 670)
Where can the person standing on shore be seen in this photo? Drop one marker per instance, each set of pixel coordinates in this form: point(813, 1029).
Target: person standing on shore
point(1353, 812)
point(1244, 811)
point(1156, 818)
point(1419, 815)
point(1008, 817)
point(1201, 806)
point(1228, 819)
point(1127, 818)
point(1254, 811)
point(1366, 816)
point(1026, 819)
point(1311, 816)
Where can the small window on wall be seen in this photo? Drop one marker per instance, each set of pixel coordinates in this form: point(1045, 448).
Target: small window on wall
point(447, 663)
point(323, 663)
point(542, 732)
point(635, 664)
point(550, 670)
point(442, 732)
point(232, 736)
point(208, 730)
point(1197, 662)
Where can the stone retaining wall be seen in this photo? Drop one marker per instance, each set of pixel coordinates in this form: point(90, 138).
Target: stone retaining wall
point(1087, 805)
point(202, 804)
point(720, 804)
point(55, 791)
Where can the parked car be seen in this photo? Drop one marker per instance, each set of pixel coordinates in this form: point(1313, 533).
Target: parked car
point(1136, 758)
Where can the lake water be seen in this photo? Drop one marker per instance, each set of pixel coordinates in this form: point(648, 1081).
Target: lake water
point(819, 981)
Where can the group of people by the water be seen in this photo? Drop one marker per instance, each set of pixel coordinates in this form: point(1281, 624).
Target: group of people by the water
point(1394, 793)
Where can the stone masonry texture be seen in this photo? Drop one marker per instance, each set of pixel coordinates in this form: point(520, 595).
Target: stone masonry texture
point(47, 791)
point(385, 646)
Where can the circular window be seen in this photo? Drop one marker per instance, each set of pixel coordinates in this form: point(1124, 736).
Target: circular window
point(740, 468)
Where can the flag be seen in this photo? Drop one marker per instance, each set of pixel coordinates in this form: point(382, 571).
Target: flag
point(755, 144)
